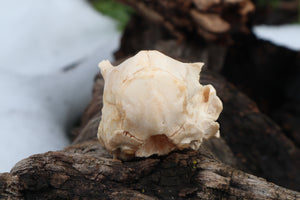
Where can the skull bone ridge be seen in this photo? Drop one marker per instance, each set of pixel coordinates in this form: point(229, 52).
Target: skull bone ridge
point(153, 104)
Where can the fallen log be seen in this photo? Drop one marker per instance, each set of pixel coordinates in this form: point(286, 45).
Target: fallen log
point(86, 171)
point(250, 141)
point(257, 147)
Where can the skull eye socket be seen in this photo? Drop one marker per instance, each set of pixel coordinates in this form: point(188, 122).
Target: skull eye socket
point(157, 144)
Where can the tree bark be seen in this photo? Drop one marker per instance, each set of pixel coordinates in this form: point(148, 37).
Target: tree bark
point(213, 20)
point(277, 12)
point(85, 170)
point(267, 73)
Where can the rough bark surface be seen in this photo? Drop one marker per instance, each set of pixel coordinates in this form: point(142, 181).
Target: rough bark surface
point(277, 12)
point(212, 20)
point(267, 73)
point(85, 170)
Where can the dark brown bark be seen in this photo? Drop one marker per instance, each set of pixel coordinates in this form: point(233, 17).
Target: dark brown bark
point(85, 170)
point(258, 68)
point(265, 72)
point(277, 12)
point(212, 20)
point(269, 75)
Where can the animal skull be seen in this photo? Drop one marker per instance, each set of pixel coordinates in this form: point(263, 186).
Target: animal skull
point(153, 104)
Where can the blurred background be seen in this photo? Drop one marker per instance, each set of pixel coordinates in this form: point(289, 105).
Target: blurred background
point(48, 59)
point(49, 51)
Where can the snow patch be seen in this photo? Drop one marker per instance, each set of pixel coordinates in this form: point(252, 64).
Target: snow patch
point(49, 55)
point(284, 35)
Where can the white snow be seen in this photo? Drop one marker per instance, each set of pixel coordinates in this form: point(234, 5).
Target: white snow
point(284, 35)
point(40, 99)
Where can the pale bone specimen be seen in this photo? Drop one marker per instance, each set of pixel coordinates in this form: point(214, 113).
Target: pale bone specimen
point(153, 104)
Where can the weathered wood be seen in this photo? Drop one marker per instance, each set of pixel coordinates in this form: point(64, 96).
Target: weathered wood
point(276, 12)
point(259, 144)
point(88, 167)
point(267, 73)
point(85, 171)
point(141, 33)
point(270, 75)
point(212, 20)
